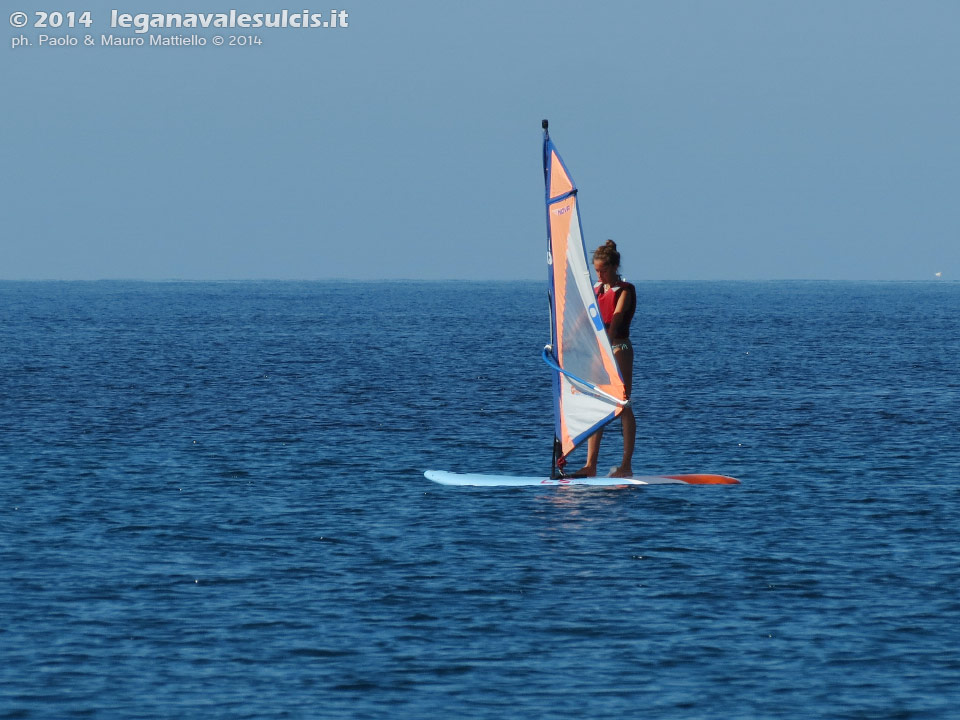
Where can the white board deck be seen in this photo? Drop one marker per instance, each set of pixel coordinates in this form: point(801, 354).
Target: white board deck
point(479, 480)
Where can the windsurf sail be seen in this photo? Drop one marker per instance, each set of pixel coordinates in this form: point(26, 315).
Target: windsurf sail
point(588, 391)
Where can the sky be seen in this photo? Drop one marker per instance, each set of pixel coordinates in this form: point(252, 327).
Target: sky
point(713, 140)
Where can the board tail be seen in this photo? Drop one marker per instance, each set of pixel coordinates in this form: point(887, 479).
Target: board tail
point(702, 479)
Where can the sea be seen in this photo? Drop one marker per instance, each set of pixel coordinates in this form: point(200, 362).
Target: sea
point(212, 505)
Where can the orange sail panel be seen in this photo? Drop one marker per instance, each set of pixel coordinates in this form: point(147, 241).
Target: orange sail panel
point(560, 182)
point(588, 389)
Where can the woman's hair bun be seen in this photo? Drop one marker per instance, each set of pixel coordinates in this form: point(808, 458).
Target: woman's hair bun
point(607, 254)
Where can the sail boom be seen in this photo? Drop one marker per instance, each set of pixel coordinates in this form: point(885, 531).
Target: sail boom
point(588, 386)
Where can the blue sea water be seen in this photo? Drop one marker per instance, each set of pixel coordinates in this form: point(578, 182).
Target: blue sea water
point(212, 505)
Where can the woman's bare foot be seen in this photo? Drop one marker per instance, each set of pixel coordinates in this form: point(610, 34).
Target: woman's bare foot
point(584, 472)
point(621, 472)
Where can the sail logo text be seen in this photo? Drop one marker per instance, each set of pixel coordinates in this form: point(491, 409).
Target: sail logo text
point(562, 211)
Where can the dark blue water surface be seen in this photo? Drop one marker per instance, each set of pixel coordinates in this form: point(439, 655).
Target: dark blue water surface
point(212, 505)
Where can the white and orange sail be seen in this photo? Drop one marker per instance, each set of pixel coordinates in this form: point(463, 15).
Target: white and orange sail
point(588, 391)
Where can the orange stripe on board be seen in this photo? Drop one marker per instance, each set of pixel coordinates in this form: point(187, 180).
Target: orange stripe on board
point(560, 182)
point(705, 479)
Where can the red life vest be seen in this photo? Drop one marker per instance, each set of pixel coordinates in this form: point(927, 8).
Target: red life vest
point(607, 303)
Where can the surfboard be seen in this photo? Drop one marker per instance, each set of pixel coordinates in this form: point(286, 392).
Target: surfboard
point(480, 480)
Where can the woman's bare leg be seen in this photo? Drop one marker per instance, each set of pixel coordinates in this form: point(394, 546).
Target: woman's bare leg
point(628, 421)
point(593, 452)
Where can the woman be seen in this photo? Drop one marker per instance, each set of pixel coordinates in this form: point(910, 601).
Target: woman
point(617, 300)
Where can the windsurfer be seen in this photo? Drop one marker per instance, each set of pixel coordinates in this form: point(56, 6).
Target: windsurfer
point(617, 300)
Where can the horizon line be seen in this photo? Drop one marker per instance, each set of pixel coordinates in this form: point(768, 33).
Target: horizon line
point(932, 278)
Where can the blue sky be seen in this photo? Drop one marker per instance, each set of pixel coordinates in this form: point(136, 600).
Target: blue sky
point(713, 140)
